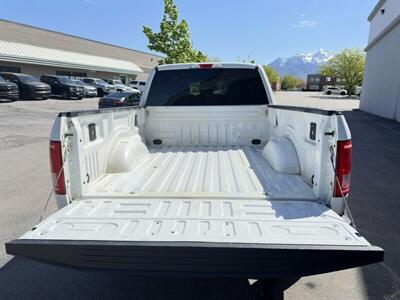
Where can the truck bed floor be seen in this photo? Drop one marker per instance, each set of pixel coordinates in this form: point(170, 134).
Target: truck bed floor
point(205, 171)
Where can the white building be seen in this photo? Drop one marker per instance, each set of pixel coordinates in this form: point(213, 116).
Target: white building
point(38, 51)
point(381, 87)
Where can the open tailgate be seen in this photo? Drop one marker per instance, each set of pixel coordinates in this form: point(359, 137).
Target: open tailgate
point(233, 238)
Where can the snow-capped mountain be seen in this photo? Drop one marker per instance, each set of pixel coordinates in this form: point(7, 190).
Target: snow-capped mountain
point(302, 64)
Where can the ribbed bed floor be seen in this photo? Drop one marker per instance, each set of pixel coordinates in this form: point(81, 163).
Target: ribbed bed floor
point(206, 171)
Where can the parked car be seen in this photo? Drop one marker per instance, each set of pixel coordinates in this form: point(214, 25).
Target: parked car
point(118, 99)
point(200, 181)
point(8, 90)
point(102, 87)
point(140, 85)
point(90, 91)
point(335, 90)
point(63, 87)
point(120, 86)
point(29, 86)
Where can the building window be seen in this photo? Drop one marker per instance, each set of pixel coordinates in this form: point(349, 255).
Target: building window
point(328, 79)
point(10, 69)
point(311, 79)
point(63, 73)
point(317, 79)
point(71, 74)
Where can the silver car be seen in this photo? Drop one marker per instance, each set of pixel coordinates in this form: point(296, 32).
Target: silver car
point(102, 87)
point(120, 86)
point(90, 91)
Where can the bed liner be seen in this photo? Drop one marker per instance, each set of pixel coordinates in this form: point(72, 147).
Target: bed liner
point(211, 171)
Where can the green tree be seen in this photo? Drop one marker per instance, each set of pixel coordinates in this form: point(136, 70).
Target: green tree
point(348, 66)
point(173, 40)
point(272, 75)
point(289, 82)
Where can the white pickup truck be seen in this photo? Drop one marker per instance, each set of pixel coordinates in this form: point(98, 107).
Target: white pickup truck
point(208, 176)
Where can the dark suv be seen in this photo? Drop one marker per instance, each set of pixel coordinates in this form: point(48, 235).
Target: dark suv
point(29, 87)
point(8, 90)
point(63, 87)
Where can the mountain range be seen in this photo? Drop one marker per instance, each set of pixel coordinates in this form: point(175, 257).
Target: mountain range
point(302, 64)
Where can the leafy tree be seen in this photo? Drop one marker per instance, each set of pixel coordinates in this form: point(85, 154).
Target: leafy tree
point(348, 66)
point(302, 84)
point(173, 39)
point(272, 75)
point(289, 82)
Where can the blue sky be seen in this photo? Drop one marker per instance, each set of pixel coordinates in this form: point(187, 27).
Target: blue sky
point(227, 29)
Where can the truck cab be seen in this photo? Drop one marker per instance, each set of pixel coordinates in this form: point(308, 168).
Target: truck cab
point(29, 86)
point(63, 87)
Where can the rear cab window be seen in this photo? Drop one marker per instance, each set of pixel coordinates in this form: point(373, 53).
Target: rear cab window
point(207, 87)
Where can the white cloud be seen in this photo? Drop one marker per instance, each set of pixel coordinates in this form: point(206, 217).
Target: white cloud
point(305, 24)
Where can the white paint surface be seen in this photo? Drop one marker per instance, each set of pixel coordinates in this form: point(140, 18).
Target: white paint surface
point(380, 21)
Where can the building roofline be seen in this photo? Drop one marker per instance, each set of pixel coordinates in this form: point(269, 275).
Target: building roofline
point(388, 29)
point(376, 9)
point(79, 37)
point(30, 54)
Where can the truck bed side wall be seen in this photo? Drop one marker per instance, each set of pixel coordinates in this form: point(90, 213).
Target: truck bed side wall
point(312, 133)
point(90, 139)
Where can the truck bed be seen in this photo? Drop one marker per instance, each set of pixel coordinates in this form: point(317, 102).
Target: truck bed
point(206, 172)
point(212, 210)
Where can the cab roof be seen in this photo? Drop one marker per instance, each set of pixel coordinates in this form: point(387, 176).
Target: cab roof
point(206, 65)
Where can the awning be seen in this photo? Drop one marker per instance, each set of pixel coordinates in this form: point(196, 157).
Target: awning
point(29, 54)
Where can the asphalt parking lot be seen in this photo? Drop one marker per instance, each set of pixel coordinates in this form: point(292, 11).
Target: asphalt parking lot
point(318, 100)
point(25, 184)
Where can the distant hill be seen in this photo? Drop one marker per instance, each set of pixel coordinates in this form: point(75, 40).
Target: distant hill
point(302, 64)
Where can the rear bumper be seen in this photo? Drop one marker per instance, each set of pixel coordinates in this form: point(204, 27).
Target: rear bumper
point(199, 259)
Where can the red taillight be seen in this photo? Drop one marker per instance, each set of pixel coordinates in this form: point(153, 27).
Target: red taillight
point(343, 168)
point(205, 66)
point(56, 165)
